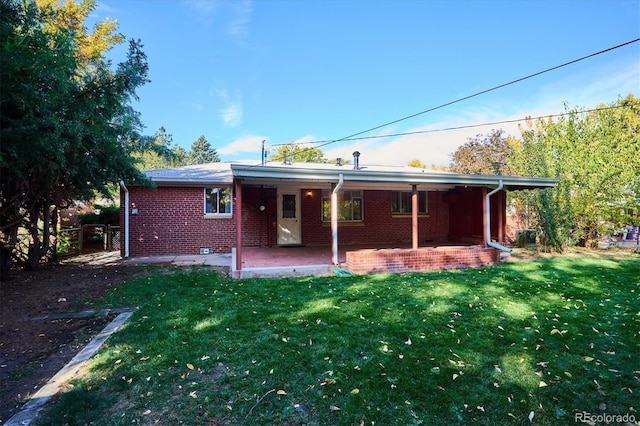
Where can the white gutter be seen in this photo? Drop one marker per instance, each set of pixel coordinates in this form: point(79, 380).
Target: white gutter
point(126, 218)
point(488, 219)
point(334, 219)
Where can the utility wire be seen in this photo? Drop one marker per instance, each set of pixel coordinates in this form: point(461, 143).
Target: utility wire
point(484, 91)
point(468, 126)
point(352, 136)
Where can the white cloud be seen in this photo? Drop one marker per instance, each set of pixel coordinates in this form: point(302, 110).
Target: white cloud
point(204, 7)
point(250, 144)
point(231, 112)
point(239, 25)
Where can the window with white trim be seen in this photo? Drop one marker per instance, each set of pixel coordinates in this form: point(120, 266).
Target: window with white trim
point(217, 202)
point(349, 206)
point(401, 202)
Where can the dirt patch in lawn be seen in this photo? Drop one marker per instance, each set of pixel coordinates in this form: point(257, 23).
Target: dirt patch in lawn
point(32, 350)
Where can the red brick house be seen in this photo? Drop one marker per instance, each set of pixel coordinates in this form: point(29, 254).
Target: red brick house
point(225, 207)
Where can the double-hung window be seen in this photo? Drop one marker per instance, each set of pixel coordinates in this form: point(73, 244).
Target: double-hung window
point(401, 202)
point(217, 202)
point(349, 206)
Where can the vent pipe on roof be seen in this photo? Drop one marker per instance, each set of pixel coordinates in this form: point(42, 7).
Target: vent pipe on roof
point(356, 160)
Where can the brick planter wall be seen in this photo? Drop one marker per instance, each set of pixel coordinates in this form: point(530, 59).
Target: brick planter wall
point(422, 259)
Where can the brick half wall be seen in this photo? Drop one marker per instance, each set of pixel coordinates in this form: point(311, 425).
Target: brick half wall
point(422, 259)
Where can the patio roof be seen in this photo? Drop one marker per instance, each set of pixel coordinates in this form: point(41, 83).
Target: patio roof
point(373, 174)
point(274, 172)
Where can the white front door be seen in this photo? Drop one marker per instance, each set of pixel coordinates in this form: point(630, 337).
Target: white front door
point(289, 218)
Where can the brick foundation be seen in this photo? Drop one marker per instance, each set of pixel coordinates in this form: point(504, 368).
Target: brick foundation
point(422, 259)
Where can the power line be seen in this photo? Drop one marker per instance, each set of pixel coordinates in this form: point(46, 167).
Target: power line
point(485, 91)
point(518, 80)
point(468, 126)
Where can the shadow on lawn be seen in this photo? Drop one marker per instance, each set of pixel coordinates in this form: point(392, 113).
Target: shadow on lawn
point(553, 337)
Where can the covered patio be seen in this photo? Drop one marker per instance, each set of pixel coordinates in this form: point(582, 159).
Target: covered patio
point(304, 215)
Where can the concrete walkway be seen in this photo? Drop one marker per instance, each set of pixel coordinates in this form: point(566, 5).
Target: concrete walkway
point(216, 259)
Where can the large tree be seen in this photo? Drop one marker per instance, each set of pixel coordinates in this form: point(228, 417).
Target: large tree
point(595, 154)
point(66, 124)
point(159, 152)
point(294, 152)
point(483, 155)
point(202, 152)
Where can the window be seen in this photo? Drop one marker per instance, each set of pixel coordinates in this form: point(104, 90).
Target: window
point(401, 202)
point(349, 206)
point(217, 201)
point(288, 206)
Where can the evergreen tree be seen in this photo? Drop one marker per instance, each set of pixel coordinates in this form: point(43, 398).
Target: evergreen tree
point(202, 152)
point(66, 125)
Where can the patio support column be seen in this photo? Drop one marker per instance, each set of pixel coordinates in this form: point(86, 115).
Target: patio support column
point(501, 216)
point(237, 189)
point(334, 218)
point(486, 233)
point(414, 216)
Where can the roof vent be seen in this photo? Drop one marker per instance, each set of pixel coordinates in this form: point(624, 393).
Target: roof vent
point(338, 161)
point(356, 160)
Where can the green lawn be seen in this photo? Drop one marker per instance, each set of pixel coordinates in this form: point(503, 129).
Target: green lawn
point(539, 340)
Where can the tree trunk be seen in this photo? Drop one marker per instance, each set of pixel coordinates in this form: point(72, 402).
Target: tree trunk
point(53, 239)
point(38, 247)
point(5, 261)
point(33, 255)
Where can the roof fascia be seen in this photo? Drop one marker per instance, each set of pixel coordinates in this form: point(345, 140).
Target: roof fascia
point(320, 175)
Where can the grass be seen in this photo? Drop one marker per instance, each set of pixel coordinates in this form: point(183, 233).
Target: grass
point(539, 340)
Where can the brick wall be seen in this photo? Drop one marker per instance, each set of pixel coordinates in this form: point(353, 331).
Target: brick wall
point(171, 220)
point(378, 226)
point(422, 259)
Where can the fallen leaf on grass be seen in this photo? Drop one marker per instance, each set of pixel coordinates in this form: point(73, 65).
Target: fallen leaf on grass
point(190, 366)
point(542, 384)
point(531, 416)
point(333, 408)
point(587, 358)
point(281, 392)
point(355, 391)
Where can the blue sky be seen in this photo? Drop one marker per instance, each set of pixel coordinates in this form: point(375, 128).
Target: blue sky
point(240, 72)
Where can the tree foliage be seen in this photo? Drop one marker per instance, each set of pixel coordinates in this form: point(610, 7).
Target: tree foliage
point(159, 152)
point(69, 16)
point(595, 157)
point(416, 163)
point(295, 153)
point(66, 125)
point(202, 152)
point(483, 155)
